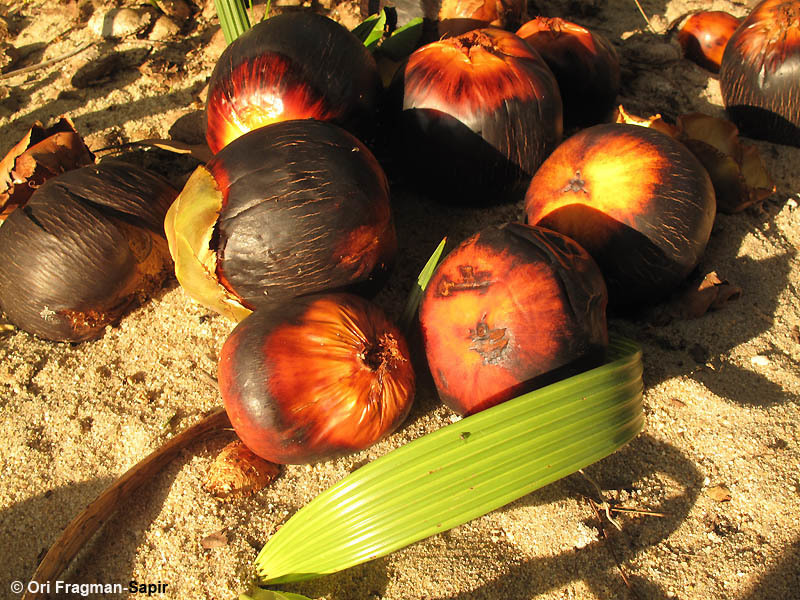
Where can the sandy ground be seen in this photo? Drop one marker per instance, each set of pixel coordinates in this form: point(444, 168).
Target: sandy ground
point(721, 397)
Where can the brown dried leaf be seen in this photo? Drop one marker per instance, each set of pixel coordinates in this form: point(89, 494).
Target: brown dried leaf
point(653, 122)
point(759, 183)
point(214, 540)
point(719, 133)
point(739, 175)
point(41, 154)
point(711, 293)
point(730, 188)
point(237, 471)
point(720, 493)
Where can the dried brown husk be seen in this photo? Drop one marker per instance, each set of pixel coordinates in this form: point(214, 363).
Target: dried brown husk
point(711, 293)
point(42, 153)
point(88, 246)
point(238, 471)
point(737, 171)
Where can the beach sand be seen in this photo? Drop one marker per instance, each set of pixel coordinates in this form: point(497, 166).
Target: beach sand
point(718, 458)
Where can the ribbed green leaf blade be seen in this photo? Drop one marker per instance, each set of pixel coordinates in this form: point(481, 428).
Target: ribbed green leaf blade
point(233, 18)
point(415, 295)
point(259, 594)
point(462, 471)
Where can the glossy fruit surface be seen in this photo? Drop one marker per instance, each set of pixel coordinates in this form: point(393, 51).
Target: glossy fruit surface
point(320, 376)
point(291, 208)
point(760, 73)
point(584, 63)
point(291, 66)
point(478, 114)
point(511, 309)
point(636, 199)
point(87, 246)
point(704, 35)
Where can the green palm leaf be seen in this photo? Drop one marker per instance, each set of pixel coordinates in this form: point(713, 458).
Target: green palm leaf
point(462, 471)
point(232, 17)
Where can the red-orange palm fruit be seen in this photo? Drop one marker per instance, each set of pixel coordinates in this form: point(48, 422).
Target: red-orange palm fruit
point(760, 73)
point(288, 209)
point(478, 113)
point(318, 377)
point(511, 309)
point(291, 66)
point(636, 199)
point(584, 63)
point(459, 16)
point(704, 35)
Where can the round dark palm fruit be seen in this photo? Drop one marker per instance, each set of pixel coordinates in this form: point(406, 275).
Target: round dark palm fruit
point(291, 66)
point(459, 16)
point(320, 376)
point(760, 73)
point(636, 199)
point(477, 114)
point(703, 36)
point(86, 247)
point(585, 66)
point(511, 309)
point(288, 209)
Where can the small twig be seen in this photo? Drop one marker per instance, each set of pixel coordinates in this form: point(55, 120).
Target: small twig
point(610, 547)
point(646, 19)
point(637, 511)
point(605, 504)
point(199, 152)
point(610, 507)
point(46, 63)
point(83, 527)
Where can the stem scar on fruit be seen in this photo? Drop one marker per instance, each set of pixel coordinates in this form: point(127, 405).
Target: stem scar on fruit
point(576, 184)
point(489, 343)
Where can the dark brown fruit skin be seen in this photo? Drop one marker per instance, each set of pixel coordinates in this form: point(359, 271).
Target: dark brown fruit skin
point(704, 35)
point(87, 246)
point(636, 199)
point(585, 65)
point(292, 66)
point(511, 309)
point(305, 208)
point(478, 113)
point(760, 73)
point(318, 377)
